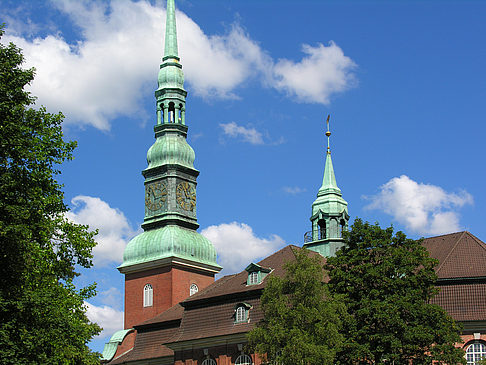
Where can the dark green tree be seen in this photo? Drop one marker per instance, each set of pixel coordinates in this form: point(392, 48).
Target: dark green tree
point(301, 320)
point(42, 315)
point(387, 281)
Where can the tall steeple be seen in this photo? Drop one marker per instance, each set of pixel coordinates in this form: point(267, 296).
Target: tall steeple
point(329, 212)
point(170, 259)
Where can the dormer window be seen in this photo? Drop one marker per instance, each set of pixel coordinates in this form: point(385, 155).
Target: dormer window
point(241, 312)
point(253, 278)
point(256, 273)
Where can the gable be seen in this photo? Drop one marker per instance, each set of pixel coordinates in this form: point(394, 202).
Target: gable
point(460, 255)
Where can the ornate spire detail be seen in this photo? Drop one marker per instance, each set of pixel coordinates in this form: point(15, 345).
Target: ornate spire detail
point(329, 211)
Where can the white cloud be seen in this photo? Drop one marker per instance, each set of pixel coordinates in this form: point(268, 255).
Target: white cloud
point(293, 190)
point(113, 226)
point(250, 135)
point(422, 208)
point(323, 72)
point(110, 319)
point(103, 75)
point(237, 245)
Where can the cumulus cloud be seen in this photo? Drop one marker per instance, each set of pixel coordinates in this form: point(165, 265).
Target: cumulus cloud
point(321, 73)
point(248, 134)
point(293, 190)
point(110, 319)
point(237, 245)
point(102, 76)
point(113, 226)
point(422, 208)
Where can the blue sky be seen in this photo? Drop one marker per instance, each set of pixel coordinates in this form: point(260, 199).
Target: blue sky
point(404, 82)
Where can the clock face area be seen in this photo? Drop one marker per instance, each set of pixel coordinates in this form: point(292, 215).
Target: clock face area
point(155, 197)
point(186, 196)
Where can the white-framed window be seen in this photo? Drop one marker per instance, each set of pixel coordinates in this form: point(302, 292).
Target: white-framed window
point(253, 278)
point(475, 352)
point(241, 314)
point(243, 360)
point(209, 362)
point(148, 295)
point(193, 289)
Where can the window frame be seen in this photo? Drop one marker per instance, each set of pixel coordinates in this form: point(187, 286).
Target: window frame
point(475, 355)
point(243, 360)
point(241, 314)
point(191, 289)
point(148, 295)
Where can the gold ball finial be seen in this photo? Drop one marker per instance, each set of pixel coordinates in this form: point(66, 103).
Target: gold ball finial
point(328, 133)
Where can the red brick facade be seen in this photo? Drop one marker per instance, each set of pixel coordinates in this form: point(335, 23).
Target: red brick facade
point(170, 286)
point(224, 355)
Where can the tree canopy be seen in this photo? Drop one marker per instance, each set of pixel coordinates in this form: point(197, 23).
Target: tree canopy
point(387, 281)
point(42, 315)
point(302, 321)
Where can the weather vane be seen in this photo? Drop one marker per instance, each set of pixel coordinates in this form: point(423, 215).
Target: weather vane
point(328, 133)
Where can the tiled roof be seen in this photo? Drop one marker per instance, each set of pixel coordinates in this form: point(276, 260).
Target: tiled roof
point(460, 255)
point(148, 345)
point(464, 302)
point(233, 284)
point(171, 314)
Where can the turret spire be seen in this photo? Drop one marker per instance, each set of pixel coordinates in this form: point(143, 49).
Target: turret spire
point(329, 211)
point(329, 181)
point(170, 33)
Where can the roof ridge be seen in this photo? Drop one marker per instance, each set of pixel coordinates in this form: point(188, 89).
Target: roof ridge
point(445, 234)
point(478, 241)
point(450, 252)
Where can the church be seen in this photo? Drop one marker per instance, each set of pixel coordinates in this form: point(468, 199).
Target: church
point(175, 311)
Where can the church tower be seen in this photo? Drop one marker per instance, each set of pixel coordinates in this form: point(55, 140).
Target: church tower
point(329, 212)
point(170, 260)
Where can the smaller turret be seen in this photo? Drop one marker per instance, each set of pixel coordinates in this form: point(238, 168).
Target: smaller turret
point(329, 212)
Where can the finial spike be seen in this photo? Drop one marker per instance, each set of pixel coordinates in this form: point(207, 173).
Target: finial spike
point(170, 50)
point(328, 134)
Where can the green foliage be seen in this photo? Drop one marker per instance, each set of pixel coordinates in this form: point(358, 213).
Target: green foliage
point(387, 282)
point(42, 315)
point(301, 320)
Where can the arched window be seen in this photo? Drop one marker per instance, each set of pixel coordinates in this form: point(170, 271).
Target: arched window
point(475, 352)
point(209, 362)
point(243, 360)
point(148, 295)
point(322, 229)
point(193, 289)
point(253, 278)
point(241, 314)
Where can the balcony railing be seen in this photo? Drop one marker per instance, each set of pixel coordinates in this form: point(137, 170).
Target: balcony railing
point(308, 237)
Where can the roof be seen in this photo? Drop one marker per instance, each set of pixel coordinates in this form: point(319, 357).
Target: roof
point(460, 255)
point(148, 345)
point(233, 284)
point(172, 314)
point(464, 302)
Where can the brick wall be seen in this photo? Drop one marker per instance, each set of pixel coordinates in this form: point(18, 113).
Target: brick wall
point(170, 286)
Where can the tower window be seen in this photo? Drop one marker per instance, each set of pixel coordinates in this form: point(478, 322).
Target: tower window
point(193, 289)
point(148, 295)
point(475, 352)
point(243, 360)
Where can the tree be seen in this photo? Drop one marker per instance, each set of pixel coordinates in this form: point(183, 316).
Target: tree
point(42, 315)
point(387, 282)
point(301, 320)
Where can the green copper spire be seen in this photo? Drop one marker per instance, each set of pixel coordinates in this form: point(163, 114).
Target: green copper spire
point(329, 212)
point(170, 33)
point(170, 221)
